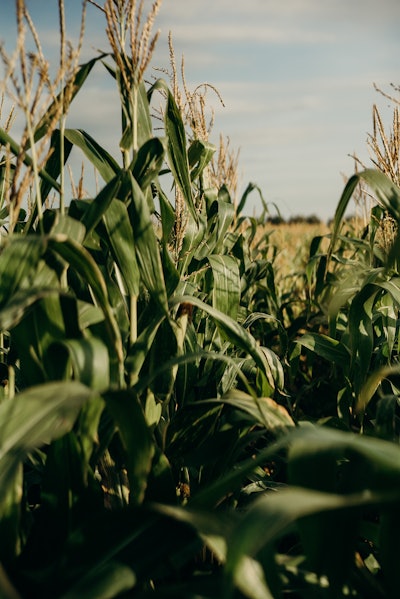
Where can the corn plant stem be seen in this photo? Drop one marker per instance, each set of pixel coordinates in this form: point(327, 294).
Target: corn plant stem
point(133, 313)
point(62, 158)
point(133, 320)
point(133, 298)
point(35, 169)
point(11, 383)
point(135, 118)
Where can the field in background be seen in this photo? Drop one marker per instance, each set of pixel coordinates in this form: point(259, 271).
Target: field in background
point(193, 402)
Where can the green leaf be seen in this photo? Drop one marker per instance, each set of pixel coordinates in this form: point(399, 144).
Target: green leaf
point(34, 417)
point(96, 209)
point(89, 361)
point(277, 511)
point(263, 410)
point(98, 156)
point(361, 333)
point(200, 154)
point(106, 581)
point(386, 192)
point(80, 260)
point(178, 157)
point(327, 348)
point(372, 383)
point(120, 234)
point(226, 287)
point(7, 141)
point(129, 417)
point(237, 335)
point(53, 164)
point(75, 84)
point(146, 245)
point(148, 161)
point(19, 261)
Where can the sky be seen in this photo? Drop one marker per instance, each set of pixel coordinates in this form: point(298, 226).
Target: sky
point(296, 77)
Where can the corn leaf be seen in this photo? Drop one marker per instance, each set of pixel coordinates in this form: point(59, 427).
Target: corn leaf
point(326, 347)
point(18, 263)
point(128, 414)
point(146, 245)
point(98, 156)
point(34, 417)
point(177, 152)
point(106, 581)
point(15, 148)
point(120, 234)
point(75, 84)
point(89, 361)
point(226, 287)
point(236, 334)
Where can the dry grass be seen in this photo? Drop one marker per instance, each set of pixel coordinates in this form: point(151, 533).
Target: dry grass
point(291, 242)
point(42, 101)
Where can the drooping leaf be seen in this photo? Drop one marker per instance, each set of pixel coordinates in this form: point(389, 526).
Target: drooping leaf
point(98, 156)
point(136, 437)
point(326, 347)
point(237, 335)
point(34, 417)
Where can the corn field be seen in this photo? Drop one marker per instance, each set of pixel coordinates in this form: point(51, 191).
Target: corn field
point(181, 414)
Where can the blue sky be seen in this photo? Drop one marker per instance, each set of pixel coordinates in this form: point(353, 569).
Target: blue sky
point(296, 77)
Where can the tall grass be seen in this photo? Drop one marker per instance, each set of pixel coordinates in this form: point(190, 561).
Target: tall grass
point(182, 415)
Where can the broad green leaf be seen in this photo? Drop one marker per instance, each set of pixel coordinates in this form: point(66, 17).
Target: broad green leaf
point(386, 192)
point(327, 348)
point(220, 218)
point(146, 244)
point(195, 233)
point(226, 287)
point(129, 417)
point(251, 187)
point(106, 581)
point(15, 149)
point(177, 152)
point(120, 234)
point(68, 226)
point(80, 260)
point(19, 261)
point(372, 383)
point(167, 216)
point(236, 334)
point(135, 104)
point(98, 156)
point(264, 410)
point(53, 164)
point(89, 361)
point(200, 154)
point(140, 350)
point(20, 303)
point(96, 209)
point(148, 161)
point(277, 511)
point(34, 417)
point(361, 333)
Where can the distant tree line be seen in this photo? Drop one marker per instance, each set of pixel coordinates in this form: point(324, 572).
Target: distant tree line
point(312, 219)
